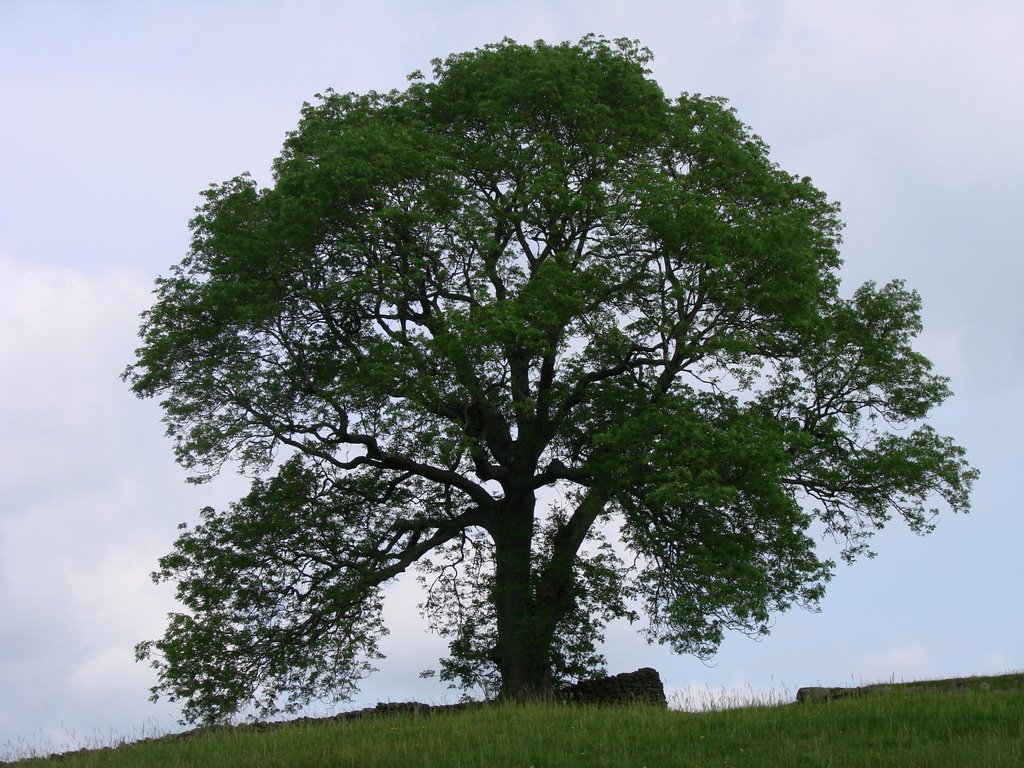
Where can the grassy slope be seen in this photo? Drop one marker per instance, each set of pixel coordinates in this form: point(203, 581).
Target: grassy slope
point(980, 723)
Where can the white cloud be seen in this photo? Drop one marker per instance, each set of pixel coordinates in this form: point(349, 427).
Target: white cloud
point(79, 531)
point(64, 337)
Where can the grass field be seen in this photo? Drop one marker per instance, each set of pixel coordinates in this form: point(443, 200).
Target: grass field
point(980, 723)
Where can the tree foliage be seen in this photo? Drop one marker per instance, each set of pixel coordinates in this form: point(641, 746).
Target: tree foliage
point(477, 323)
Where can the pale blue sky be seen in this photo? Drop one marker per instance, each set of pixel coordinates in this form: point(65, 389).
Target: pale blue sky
point(114, 115)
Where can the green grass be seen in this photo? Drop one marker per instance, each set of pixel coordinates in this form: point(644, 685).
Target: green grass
point(976, 724)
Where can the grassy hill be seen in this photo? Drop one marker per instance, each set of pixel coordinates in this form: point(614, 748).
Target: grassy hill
point(965, 722)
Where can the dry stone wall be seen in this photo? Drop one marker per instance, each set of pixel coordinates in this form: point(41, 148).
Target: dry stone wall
point(812, 694)
point(641, 687)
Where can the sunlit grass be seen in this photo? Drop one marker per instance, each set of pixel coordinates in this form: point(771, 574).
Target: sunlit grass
point(973, 725)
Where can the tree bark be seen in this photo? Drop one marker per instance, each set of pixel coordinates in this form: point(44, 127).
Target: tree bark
point(525, 634)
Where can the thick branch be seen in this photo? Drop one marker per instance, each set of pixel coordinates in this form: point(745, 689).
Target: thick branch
point(555, 586)
point(474, 491)
point(445, 532)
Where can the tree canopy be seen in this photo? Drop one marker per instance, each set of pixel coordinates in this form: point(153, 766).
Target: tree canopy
point(575, 350)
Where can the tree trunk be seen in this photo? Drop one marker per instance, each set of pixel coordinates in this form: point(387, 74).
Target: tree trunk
point(525, 632)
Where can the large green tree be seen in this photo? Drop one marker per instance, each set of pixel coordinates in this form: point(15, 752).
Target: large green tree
point(475, 324)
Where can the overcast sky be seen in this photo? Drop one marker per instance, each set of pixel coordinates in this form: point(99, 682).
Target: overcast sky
point(115, 115)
